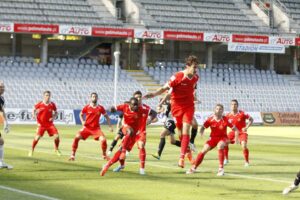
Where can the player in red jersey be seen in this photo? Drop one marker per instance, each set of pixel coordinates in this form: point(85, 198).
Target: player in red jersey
point(132, 122)
point(238, 119)
point(91, 127)
point(140, 138)
point(218, 137)
point(183, 86)
point(45, 113)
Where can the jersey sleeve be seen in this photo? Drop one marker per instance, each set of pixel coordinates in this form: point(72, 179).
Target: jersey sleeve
point(206, 124)
point(229, 124)
point(36, 106)
point(246, 116)
point(84, 110)
point(102, 110)
point(174, 80)
point(120, 107)
point(54, 107)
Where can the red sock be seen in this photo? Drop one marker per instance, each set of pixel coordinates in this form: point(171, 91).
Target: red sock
point(142, 157)
point(199, 159)
point(246, 154)
point(226, 150)
point(56, 143)
point(125, 143)
point(221, 158)
point(184, 145)
point(34, 143)
point(122, 162)
point(75, 145)
point(114, 159)
point(104, 147)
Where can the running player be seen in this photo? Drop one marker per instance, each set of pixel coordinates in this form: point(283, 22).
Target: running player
point(238, 119)
point(91, 127)
point(132, 120)
point(5, 128)
point(183, 86)
point(45, 113)
point(140, 138)
point(218, 137)
point(292, 187)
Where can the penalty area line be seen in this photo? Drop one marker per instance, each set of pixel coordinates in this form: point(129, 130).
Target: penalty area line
point(149, 163)
point(27, 193)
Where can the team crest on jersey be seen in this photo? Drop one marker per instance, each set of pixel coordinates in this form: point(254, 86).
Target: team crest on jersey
point(221, 127)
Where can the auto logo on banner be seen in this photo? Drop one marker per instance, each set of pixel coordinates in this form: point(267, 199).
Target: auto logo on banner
point(183, 36)
point(217, 37)
point(7, 27)
point(256, 48)
point(287, 41)
point(148, 34)
point(75, 30)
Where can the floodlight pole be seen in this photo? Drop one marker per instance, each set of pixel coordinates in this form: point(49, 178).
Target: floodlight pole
point(117, 65)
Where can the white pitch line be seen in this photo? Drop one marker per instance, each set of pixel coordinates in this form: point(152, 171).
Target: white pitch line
point(149, 163)
point(27, 193)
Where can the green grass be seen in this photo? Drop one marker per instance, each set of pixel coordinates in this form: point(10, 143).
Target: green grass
point(274, 154)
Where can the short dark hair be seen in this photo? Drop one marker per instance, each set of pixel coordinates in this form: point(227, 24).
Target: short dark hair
point(220, 105)
point(137, 93)
point(94, 93)
point(134, 100)
point(236, 101)
point(189, 61)
point(47, 92)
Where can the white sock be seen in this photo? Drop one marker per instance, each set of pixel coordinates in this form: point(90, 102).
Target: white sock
point(1, 152)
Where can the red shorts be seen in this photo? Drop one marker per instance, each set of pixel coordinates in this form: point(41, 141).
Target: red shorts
point(183, 115)
point(243, 136)
point(51, 130)
point(126, 129)
point(213, 141)
point(139, 137)
point(86, 132)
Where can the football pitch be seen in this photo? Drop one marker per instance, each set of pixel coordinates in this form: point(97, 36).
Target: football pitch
point(274, 162)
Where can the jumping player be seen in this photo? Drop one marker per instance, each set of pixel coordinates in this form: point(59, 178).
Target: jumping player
point(218, 137)
point(5, 128)
point(45, 113)
point(238, 119)
point(183, 86)
point(91, 127)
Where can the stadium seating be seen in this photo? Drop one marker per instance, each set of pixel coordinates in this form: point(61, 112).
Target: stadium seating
point(201, 15)
point(293, 7)
point(78, 12)
point(256, 90)
point(70, 82)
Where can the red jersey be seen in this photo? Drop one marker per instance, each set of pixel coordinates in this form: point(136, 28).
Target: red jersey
point(183, 87)
point(145, 109)
point(92, 116)
point(218, 127)
point(131, 118)
point(45, 113)
point(238, 119)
